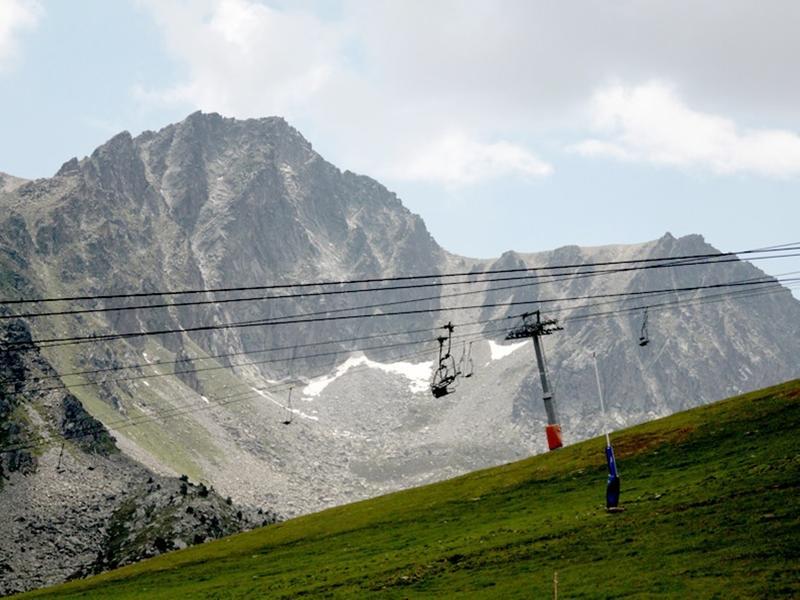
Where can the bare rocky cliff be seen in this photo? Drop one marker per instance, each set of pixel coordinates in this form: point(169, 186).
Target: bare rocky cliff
point(206, 203)
point(8, 183)
point(80, 507)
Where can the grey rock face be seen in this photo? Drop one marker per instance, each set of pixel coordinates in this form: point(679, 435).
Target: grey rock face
point(8, 183)
point(215, 202)
point(82, 507)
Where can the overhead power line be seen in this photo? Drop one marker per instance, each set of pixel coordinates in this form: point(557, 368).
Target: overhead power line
point(474, 280)
point(238, 397)
point(254, 362)
point(262, 350)
point(745, 293)
point(251, 394)
point(160, 363)
point(783, 248)
point(679, 301)
point(321, 316)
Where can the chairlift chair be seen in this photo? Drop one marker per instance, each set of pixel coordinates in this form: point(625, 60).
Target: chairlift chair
point(289, 420)
point(442, 380)
point(446, 372)
point(644, 339)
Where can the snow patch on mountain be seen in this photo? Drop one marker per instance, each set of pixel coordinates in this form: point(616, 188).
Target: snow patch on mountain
point(499, 351)
point(294, 411)
point(302, 415)
point(418, 374)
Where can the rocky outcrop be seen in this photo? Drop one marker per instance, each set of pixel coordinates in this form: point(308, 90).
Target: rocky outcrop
point(74, 505)
point(8, 183)
point(212, 202)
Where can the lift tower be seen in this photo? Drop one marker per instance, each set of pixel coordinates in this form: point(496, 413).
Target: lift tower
point(534, 327)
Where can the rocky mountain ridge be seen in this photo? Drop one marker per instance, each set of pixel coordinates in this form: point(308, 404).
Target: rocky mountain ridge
point(82, 507)
point(9, 183)
point(205, 203)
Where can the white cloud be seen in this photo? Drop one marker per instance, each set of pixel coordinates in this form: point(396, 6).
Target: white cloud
point(650, 123)
point(247, 59)
point(15, 17)
point(455, 159)
point(380, 86)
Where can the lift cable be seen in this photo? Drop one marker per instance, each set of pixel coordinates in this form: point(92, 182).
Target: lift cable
point(275, 349)
point(324, 316)
point(634, 261)
point(540, 279)
point(244, 364)
point(248, 395)
point(251, 394)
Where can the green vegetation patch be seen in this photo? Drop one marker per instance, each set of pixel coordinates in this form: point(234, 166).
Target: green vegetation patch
point(712, 511)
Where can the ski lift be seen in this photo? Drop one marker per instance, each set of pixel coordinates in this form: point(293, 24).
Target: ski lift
point(644, 339)
point(289, 420)
point(445, 374)
point(466, 366)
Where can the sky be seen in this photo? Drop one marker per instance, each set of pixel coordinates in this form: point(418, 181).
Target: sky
point(523, 125)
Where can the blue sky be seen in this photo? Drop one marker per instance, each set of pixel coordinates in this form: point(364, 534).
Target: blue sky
point(506, 125)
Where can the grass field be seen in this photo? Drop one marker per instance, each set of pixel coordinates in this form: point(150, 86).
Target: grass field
point(712, 500)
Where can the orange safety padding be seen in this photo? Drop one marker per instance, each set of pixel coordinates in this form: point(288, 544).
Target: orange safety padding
point(554, 436)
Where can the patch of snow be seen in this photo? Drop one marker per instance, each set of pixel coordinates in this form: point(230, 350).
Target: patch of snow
point(418, 374)
point(295, 411)
point(303, 415)
point(502, 350)
point(205, 400)
point(263, 394)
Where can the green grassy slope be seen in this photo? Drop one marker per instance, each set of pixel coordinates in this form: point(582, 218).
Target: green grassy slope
point(713, 511)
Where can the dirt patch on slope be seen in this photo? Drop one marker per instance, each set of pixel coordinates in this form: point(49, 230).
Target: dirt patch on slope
point(633, 444)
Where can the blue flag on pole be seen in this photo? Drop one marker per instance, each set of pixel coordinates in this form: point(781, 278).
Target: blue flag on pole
point(612, 487)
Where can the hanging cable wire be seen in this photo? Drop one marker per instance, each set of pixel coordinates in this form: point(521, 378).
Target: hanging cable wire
point(381, 335)
point(619, 311)
point(640, 261)
point(252, 393)
point(538, 280)
point(248, 363)
point(248, 395)
point(320, 316)
point(275, 360)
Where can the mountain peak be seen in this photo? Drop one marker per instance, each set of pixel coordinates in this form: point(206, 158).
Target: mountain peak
point(693, 243)
point(69, 167)
point(213, 121)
